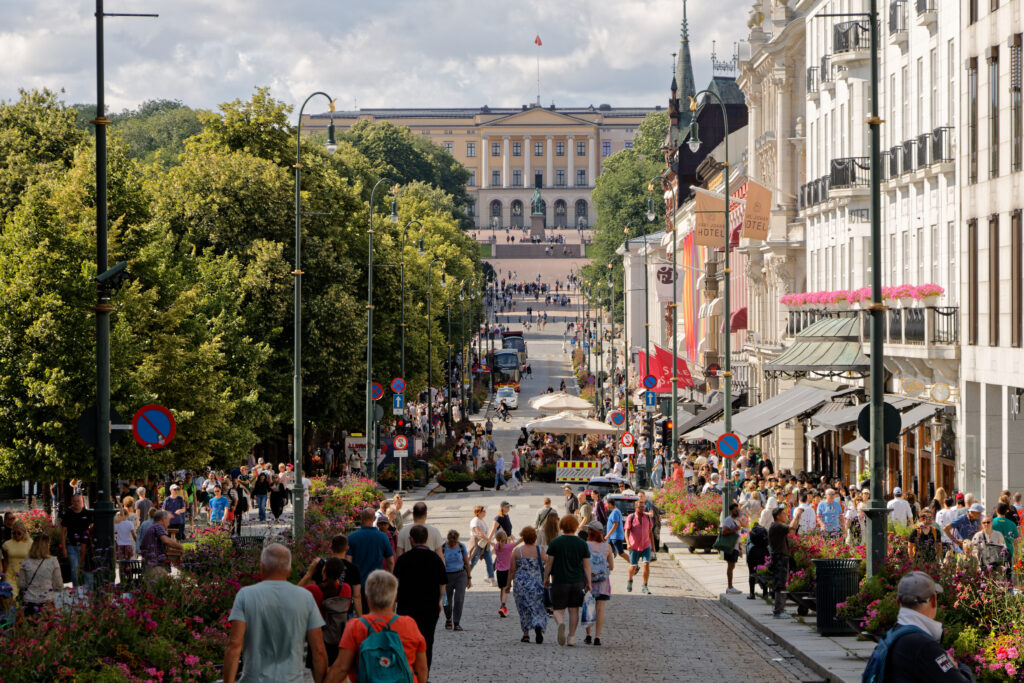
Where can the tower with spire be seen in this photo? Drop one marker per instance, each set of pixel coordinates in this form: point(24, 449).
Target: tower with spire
point(683, 85)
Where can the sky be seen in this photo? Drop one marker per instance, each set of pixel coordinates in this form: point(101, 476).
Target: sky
point(365, 53)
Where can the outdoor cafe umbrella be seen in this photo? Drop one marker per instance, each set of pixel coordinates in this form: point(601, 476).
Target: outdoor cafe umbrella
point(568, 422)
point(557, 403)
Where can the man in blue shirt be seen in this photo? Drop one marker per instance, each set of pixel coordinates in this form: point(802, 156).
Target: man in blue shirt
point(615, 532)
point(369, 549)
point(830, 517)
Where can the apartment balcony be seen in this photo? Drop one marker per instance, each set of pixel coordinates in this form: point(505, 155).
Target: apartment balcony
point(850, 43)
point(849, 177)
point(812, 83)
point(927, 13)
point(942, 149)
point(885, 167)
point(813, 194)
point(898, 11)
point(909, 156)
point(827, 73)
point(924, 150)
point(928, 333)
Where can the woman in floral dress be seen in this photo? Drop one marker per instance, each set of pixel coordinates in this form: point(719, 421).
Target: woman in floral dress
point(526, 575)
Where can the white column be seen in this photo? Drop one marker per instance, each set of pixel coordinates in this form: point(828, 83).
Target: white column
point(549, 179)
point(591, 162)
point(504, 163)
point(527, 157)
point(484, 180)
point(570, 143)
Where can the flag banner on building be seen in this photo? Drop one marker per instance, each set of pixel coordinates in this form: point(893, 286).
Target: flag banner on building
point(537, 41)
point(663, 358)
point(710, 224)
point(663, 282)
point(757, 212)
point(737, 208)
point(661, 373)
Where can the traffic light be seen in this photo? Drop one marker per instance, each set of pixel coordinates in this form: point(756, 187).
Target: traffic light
point(666, 433)
point(400, 426)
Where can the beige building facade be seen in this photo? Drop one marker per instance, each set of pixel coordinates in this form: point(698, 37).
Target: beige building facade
point(508, 152)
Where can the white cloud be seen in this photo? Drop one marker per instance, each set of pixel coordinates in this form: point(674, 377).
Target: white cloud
point(391, 53)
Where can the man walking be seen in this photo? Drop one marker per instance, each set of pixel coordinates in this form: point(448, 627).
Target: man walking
point(900, 510)
point(543, 514)
point(142, 504)
point(271, 622)
point(369, 549)
point(421, 579)
point(176, 505)
point(778, 543)
point(615, 534)
point(75, 525)
point(154, 544)
point(830, 518)
point(434, 538)
point(639, 540)
point(730, 532)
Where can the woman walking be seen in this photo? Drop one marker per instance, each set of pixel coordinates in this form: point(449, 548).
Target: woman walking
point(526, 575)
point(481, 542)
point(602, 562)
point(39, 578)
point(549, 530)
point(456, 566)
point(278, 496)
point(260, 491)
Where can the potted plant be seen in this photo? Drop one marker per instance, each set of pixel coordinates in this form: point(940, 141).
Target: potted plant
point(905, 294)
point(454, 478)
point(840, 299)
point(545, 473)
point(484, 476)
point(929, 294)
point(861, 296)
point(694, 519)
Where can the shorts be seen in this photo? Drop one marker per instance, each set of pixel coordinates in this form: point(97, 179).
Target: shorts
point(600, 596)
point(618, 546)
point(731, 555)
point(638, 556)
point(566, 595)
point(502, 578)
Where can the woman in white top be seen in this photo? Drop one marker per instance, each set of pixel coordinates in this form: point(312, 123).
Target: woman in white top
point(989, 544)
point(481, 546)
point(617, 467)
point(39, 576)
point(767, 515)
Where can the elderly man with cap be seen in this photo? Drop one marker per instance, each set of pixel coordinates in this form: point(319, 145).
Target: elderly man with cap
point(963, 529)
point(900, 510)
point(571, 503)
point(915, 652)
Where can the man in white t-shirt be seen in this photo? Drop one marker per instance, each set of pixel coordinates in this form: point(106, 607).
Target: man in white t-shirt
point(435, 541)
point(808, 518)
point(900, 510)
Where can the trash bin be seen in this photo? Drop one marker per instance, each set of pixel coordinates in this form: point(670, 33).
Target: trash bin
point(835, 581)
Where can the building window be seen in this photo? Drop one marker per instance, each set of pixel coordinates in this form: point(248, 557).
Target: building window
point(495, 149)
point(993, 117)
point(581, 177)
point(934, 275)
point(517, 208)
point(470, 209)
point(953, 93)
point(920, 256)
point(628, 144)
point(972, 281)
point(517, 178)
point(906, 256)
point(560, 148)
point(538, 149)
point(1015, 101)
point(581, 148)
point(933, 73)
point(972, 11)
point(993, 280)
point(606, 149)
point(865, 261)
point(560, 213)
point(517, 149)
point(1016, 273)
point(581, 213)
point(470, 150)
point(496, 209)
point(920, 95)
point(448, 146)
point(495, 178)
point(472, 179)
point(972, 120)
point(560, 178)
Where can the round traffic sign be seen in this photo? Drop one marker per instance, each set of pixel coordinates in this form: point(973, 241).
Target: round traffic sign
point(401, 443)
point(590, 379)
point(376, 391)
point(618, 418)
point(650, 381)
point(728, 445)
point(626, 439)
point(153, 426)
point(398, 385)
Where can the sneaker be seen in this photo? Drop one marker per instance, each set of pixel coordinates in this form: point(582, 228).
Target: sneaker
point(597, 641)
point(503, 611)
point(571, 642)
point(629, 586)
point(561, 634)
point(733, 591)
point(645, 590)
point(587, 640)
point(783, 615)
point(448, 624)
point(539, 632)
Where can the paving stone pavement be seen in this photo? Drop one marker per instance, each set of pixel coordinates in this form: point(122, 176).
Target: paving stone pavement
point(680, 633)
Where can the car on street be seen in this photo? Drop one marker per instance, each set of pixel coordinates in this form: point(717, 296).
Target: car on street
point(606, 484)
point(509, 395)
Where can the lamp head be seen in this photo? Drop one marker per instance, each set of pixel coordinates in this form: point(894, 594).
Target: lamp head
point(650, 210)
point(331, 145)
point(419, 245)
point(694, 143)
point(394, 209)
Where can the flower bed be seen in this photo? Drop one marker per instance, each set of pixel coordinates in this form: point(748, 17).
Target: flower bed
point(687, 514)
point(173, 630)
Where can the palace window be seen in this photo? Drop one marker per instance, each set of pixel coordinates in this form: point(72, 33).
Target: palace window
point(517, 149)
point(470, 150)
point(560, 148)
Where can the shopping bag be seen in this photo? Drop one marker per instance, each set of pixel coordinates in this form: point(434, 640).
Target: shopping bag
point(589, 612)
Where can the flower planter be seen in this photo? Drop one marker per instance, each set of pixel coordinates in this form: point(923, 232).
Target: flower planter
point(455, 486)
point(930, 301)
point(484, 483)
point(907, 301)
point(861, 633)
point(389, 484)
point(697, 542)
point(805, 602)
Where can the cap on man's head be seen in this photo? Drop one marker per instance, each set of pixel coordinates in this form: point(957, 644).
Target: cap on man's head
point(897, 491)
point(595, 525)
point(175, 487)
point(977, 507)
point(915, 588)
point(505, 503)
point(960, 497)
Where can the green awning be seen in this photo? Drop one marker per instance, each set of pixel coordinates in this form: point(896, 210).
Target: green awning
point(827, 348)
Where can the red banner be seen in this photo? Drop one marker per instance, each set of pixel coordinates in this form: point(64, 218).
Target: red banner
point(663, 359)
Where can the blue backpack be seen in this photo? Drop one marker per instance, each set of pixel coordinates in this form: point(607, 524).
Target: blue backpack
point(874, 672)
point(381, 656)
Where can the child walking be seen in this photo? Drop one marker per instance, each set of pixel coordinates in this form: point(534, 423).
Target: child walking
point(502, 561)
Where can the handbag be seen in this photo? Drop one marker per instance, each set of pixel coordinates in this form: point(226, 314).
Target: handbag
point(726, 543)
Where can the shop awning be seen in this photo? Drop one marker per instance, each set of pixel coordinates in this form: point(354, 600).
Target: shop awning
point(816, 432)
point(767, 414)
point(857, 446)
point(705, 415)
point(916, 416)
point(835, 419)
point(738, 320)
point(827, 348)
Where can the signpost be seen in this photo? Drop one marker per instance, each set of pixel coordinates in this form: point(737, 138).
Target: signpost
point(892, 423)
point(153, 426)
point(618, 418)
point(398, 385)
point(398, 404)
point(650, 401)
point(376, 391)
point(728, 445)
point(627, 442)
point(401, 452)
point(650, 381)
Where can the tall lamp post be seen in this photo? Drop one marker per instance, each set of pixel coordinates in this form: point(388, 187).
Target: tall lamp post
point(694, 145)
point(298, 490)
point(430, 352)
point(405, 232)
point(371, 449)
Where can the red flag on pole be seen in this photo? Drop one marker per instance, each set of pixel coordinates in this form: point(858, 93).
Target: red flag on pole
point(537, 40)
point(664, 358)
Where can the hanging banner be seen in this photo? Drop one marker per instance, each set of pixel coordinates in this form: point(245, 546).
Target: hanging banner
point(709, 227)
point(758, 211)
point(663, 282)
point(661, 367)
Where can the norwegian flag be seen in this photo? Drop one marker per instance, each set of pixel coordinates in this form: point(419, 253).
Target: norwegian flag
point(537, 41)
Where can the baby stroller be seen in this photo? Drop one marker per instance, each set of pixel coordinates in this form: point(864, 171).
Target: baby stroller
point(757, 554)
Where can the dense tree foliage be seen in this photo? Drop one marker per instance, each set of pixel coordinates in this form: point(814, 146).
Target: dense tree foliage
point(156, 131)
point(204, 324)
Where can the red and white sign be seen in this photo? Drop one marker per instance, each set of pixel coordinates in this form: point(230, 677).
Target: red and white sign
point(626, 439)
point(401, 443)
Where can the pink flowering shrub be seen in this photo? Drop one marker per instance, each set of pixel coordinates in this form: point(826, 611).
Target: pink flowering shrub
point(689, 515)
point(929, 289)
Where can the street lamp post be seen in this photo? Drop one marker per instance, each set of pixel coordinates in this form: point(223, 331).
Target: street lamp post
point(462, 353)
point(370, 446)
point(405, 232)
point(298, 490)
point(430, 353)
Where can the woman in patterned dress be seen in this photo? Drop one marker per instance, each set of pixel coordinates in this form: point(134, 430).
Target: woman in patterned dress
point(526, 575)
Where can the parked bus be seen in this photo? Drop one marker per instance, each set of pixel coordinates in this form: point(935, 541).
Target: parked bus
point(505, 368)
point(514, 340)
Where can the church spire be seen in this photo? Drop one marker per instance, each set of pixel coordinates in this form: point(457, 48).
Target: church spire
point(684, 67)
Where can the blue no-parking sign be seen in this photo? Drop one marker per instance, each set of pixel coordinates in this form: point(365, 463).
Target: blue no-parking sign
point(728, 445)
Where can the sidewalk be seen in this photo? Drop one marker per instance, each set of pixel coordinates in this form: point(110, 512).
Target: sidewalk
point(840, 658)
